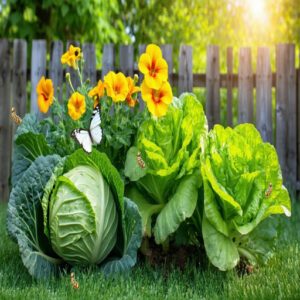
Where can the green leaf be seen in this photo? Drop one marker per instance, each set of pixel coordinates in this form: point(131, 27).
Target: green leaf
point(146, 208)
point(25, 218)
point(220, 249)
point(180, 206)
point(28, 146)
point(132, 169)
point(133, 239)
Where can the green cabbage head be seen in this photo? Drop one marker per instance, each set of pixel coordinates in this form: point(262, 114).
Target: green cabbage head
point(82, 216)
point(242, 189)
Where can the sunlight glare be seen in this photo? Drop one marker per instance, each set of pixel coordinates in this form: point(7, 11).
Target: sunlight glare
point(257, 8)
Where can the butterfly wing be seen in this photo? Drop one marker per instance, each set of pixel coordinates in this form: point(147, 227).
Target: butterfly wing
point(83, 138)
point(95, 129)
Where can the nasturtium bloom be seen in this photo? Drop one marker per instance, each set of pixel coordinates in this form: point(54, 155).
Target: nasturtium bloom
point(116, 86)
point(131, 97)
point(71, 56)
point(157, 100)
point(76, 106)
point(153, 66)
point(97, 92)
point(45, 93)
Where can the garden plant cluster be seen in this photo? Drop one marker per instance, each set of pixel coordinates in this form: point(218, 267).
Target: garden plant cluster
point(98, 179)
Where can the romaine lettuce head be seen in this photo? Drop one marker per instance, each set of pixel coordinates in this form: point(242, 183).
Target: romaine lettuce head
point(242, 187)
point(82, 216)
point(164, 166)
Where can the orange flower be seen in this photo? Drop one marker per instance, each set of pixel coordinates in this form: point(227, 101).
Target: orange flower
point(116, 86)
point(131, 96)
point(71, 56)
point(157, 100)
point(154, 67)
point(45, 93)
point(97, 92)
point(76, 106)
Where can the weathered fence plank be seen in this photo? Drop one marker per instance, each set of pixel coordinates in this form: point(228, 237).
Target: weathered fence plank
point(167, 51)
point(264, 94)
point(74, 73)
point(126, 59)
point(38, 69)
point(108, 59)
point(185, 74)
point(286, 134)
point(212, 86)
point(56, 69)
point(142, 49)
point(229, 84)
point(245, 87)
point(19, 76)
point(5, 124)
point(89, 67)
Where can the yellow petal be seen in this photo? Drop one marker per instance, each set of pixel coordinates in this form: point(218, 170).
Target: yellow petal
point(146, 92)
point(153, 82)
point(154, 52)
point(161, 109)
point(145, 63)
point(167, 95)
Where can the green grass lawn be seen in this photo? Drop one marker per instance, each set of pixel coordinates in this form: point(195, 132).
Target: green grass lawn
point(280, 279)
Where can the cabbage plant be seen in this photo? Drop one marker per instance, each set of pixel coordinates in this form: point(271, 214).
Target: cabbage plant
point(163, 167)
point(242, 189)
point(72, 211)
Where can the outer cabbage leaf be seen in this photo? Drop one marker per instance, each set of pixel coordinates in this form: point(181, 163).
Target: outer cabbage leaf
point(242, 187)
point(25, 218)
point(133, 239)
point(28, 146)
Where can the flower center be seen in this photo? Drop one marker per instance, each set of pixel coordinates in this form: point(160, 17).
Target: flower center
point(45, 97)
point(156, 97)
point(153, 72)
point(77, 104)
point(76, 53)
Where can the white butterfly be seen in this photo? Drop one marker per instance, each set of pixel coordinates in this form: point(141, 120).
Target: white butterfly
point(86, 138)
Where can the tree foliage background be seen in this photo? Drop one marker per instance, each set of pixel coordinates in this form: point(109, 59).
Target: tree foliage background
point(194, 22)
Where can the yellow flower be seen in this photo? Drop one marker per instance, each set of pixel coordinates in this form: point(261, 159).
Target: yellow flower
point(76, 106)
point(157, 100)
point(131, 96)
point(116, 86)
point(45, 93)
point(71, 56)
point(153, 66)
point(97, 92)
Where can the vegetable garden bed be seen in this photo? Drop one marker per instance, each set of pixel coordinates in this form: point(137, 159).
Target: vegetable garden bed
point(277, 280)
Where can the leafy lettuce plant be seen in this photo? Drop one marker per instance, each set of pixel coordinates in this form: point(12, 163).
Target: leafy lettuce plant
point(242, 189)
point(163, 167)
point(72, 211)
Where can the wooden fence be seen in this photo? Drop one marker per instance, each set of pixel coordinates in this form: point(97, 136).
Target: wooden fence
point(15, 74)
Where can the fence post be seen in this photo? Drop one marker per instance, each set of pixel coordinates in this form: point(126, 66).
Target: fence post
point(286, 135)
point(19, 76)
point(185, 75)
point(108, 59)
point(142, 49)
point(213, 86)
point(5, 124)
point(38, 69)
point(126, 59)
point(89, 67)
point(56, 68)
point(229, 84)
point(245, 87)
point(264, 94)
point(167, 51)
